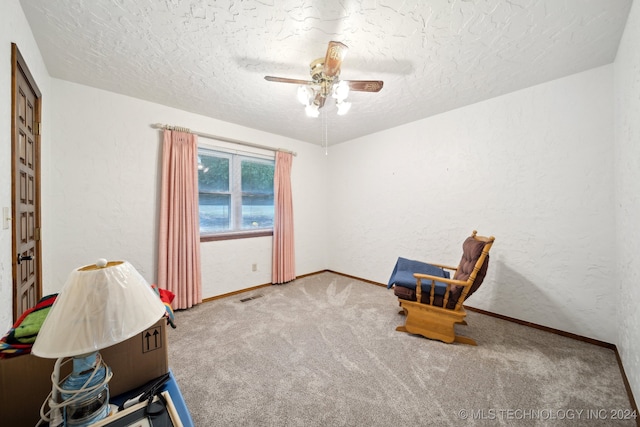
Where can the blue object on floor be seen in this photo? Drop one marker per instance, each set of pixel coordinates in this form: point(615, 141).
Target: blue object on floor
point(178, 401)
point(170, 386)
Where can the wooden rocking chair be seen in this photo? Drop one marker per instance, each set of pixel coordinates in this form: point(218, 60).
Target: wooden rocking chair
point(434, 316)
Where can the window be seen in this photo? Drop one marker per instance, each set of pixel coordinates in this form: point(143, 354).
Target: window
point(235, 194)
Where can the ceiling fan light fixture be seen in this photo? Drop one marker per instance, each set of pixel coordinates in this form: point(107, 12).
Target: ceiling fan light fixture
point(305, 95)
point(312, 110)
point(340, 91)
point(343, 107)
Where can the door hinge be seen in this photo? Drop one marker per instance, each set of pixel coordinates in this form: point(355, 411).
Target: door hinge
point(36, 233)
point(36, 128)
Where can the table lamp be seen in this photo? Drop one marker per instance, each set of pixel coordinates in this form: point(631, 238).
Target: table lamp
point(100, 305)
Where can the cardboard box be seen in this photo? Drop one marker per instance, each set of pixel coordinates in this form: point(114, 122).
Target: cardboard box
point(25, 381)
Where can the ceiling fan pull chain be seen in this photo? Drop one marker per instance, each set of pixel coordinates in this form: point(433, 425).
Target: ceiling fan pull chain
point(325, 135)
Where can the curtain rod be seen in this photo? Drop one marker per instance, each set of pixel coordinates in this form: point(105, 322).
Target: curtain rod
point(220, 138)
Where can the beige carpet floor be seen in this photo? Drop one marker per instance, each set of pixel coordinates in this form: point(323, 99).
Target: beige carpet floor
point(323, 351)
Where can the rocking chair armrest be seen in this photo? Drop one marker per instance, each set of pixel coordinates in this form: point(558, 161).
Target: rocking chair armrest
point(441, 279)
point(446, 267)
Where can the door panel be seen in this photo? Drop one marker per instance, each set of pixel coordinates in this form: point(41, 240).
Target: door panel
point(26, 97)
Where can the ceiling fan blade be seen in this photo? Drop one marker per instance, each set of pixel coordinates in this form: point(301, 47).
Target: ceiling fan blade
point(286, 80)
point(332, 61)
point(365, 85)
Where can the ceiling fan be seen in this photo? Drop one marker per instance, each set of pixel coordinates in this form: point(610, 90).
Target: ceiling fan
point(325, 82)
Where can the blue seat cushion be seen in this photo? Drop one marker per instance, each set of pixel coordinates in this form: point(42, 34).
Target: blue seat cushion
point(403, 276)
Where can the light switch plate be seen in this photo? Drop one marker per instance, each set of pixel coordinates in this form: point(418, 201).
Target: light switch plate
point(5, 218)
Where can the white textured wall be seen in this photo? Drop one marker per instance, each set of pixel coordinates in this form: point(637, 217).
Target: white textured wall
point(15, 29)
point(627, 166)
point(534, 168)
point(106, 168)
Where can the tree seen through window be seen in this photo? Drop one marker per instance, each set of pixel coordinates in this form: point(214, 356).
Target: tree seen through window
point(235, 192)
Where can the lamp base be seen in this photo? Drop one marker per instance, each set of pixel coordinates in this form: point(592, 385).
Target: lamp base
point(85, 392)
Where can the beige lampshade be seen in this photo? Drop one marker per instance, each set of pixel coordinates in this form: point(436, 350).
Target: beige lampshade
point(98, 306)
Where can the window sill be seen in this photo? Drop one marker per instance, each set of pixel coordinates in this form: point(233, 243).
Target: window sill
point(235, 235)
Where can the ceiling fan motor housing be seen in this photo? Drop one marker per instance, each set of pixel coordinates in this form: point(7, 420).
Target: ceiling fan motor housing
point(317, 70)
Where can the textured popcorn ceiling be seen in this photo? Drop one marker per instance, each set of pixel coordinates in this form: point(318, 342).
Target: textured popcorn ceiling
point(209, 57)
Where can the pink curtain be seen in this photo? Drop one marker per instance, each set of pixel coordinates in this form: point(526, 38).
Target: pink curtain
point(179, 268)
point(283, 265)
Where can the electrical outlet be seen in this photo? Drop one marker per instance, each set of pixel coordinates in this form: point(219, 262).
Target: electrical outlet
point(254, 267)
